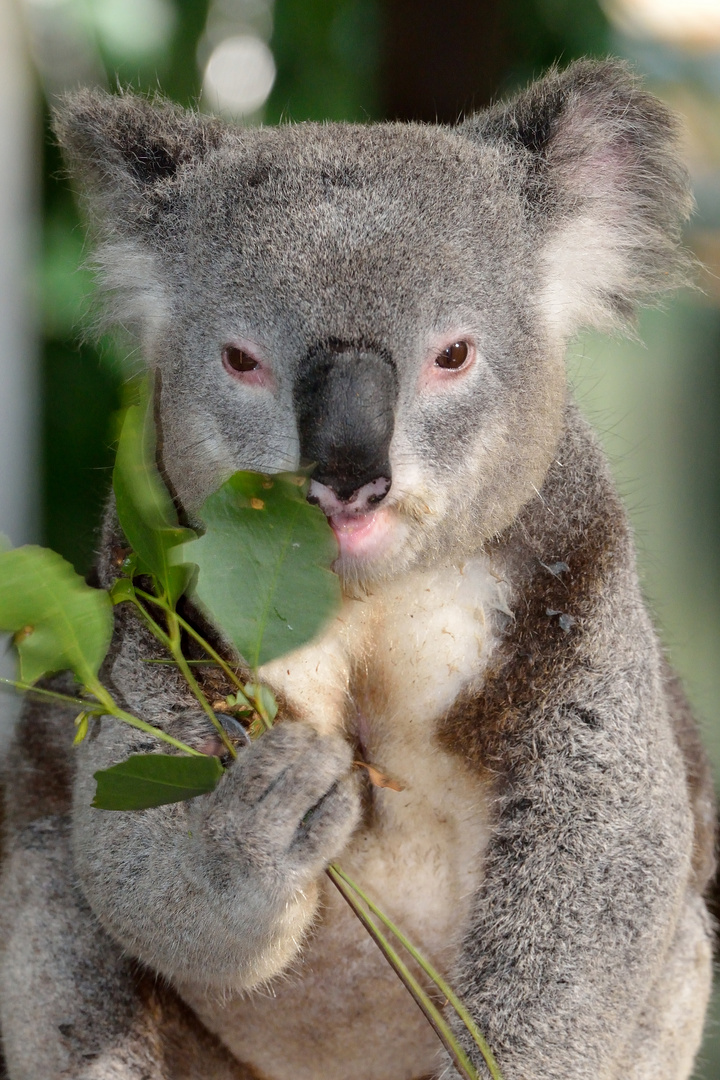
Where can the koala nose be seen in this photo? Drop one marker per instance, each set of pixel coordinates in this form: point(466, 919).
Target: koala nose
point(345, 397)
point(359, 502)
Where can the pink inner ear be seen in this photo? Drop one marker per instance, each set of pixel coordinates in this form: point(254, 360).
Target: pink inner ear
point(593, 153)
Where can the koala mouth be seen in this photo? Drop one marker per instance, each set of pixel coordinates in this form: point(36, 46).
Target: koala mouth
point(362, 527)
point(363, 535)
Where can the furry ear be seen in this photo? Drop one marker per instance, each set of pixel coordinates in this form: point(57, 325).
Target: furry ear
point(125, 149)
point(131, 156)
point(604, 188)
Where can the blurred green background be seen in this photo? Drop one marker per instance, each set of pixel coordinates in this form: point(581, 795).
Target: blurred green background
point(655, 400)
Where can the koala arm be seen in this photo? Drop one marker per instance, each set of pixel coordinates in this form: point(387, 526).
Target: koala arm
point(585, 881)
point(218, 890)
point(587, 875)
point(60, 973)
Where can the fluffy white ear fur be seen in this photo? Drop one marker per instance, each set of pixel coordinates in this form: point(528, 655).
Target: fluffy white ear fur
point(135, 296)
point(585, 273)
point(605, 190)
point(126, 150)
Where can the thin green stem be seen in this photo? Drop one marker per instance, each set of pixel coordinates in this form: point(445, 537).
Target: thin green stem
point(432, 973)
point(110, 707)
point(204, 645)
point(29, 689)
point(266, 721)
point(177, 653)
point(214, 655)
point(432, 1013)
point(104, 704)
point(173, 663)
point(151, 624)
point(172, 643)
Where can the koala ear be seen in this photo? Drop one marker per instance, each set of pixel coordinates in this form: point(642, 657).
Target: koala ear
point(125, 148)
point(131, 156)
point(604, 189)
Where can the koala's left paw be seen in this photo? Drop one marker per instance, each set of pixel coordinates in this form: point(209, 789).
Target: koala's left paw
point(284, 809)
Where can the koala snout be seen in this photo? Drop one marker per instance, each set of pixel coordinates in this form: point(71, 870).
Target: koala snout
point(345, 397)
point(362, 500)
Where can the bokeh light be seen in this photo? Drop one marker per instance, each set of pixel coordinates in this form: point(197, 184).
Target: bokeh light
point(687, 22)
point(239, 76)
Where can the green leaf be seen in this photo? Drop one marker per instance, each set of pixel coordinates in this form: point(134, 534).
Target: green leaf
point(264, 562)
point(145, 509)
point(264, 699)
point(58, 621)
point(82, 725)
point(122, 589)
point(146, 780)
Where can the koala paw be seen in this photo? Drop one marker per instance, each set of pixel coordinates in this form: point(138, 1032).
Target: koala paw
point(284, 809)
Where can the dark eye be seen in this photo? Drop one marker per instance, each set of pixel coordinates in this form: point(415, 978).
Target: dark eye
point(454, 356)
point(236, 359)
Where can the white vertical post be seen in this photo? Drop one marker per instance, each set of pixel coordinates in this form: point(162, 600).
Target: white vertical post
point(18, 337)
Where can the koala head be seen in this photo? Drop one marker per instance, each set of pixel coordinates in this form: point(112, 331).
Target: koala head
point(389, 302)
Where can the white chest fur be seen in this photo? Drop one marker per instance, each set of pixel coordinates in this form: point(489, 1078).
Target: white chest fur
point(389, 666)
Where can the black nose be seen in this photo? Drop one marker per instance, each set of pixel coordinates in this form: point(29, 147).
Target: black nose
point(345, 397)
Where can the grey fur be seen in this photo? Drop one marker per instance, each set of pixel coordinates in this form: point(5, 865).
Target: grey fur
point(584, 952)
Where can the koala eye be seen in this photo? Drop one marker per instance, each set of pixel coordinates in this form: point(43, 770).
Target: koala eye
point(454, 356)
point(235, 359)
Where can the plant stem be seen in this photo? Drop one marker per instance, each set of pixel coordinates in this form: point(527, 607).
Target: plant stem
point(109, 706)
point(205, 645)
point(256, 703)
point(104, 704)
point(171, 642)
point(431, 972)
point(153, 626)
point(214, 655)
point(29, 689)
point(429, 1008)
point(177, 653)
point(191, 663)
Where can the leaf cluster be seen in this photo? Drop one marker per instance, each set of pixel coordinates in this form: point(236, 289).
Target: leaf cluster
point(260, 573)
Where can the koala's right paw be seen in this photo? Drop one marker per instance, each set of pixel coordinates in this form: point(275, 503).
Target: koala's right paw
point(284, 809)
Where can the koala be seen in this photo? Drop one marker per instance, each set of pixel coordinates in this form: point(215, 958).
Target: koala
point(392, 304)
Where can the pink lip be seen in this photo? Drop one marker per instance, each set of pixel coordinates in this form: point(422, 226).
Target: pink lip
point(361, 535)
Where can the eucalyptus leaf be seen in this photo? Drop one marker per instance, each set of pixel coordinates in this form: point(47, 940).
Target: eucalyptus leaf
point(263, 698)
point(264, 575)
point(146, 780)
point(122, 589)
point(145, 509)
point(58, 620)
point(82, 725)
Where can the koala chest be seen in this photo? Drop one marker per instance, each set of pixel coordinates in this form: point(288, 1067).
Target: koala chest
point(340, 1011)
